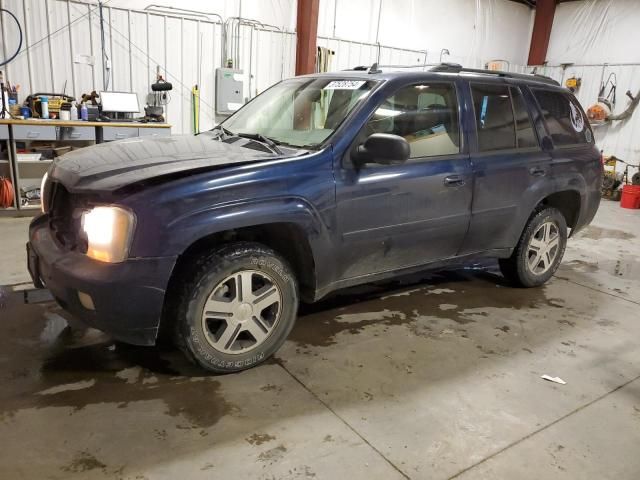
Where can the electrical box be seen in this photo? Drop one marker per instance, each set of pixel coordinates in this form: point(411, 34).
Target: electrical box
point(229, 90)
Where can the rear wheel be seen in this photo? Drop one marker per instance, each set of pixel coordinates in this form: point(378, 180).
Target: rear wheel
point(539, 251)
point(237, 307)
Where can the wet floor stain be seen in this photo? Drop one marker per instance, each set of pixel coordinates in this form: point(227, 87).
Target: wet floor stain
point(417, 301)
point(273, 455)
point(51, 364)
point(625, 268)
point(583, 266)
point(83, 462)
point(598, 233)
point(259, 438)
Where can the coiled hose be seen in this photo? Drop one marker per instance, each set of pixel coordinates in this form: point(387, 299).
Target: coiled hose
point(12, 57)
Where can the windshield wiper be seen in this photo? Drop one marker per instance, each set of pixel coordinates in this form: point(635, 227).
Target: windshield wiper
point(262, 139)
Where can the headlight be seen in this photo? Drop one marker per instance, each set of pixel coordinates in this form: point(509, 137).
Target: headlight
point(109, 231)
point(43, 184)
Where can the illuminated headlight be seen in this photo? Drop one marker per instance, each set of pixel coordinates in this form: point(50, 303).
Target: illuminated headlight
point(43, 194)
point(109, 231)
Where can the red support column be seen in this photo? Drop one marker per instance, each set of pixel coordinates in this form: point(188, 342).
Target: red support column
point(545, 10)
point(307, 32)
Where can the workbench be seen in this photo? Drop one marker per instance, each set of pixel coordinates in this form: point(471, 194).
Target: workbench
point(25, 172)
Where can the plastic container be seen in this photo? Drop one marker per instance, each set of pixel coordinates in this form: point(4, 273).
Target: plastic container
point(44, 105)
point(84, 112)
point(73, 112)
point(630, 196)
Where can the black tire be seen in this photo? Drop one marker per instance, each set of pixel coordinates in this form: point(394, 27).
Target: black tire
point(517, 269)
point(193, 334)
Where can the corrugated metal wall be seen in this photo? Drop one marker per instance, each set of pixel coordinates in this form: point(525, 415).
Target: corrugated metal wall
point(349, 54)
point(62, 53)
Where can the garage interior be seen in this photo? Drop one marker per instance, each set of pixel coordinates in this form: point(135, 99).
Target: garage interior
point(432, 375)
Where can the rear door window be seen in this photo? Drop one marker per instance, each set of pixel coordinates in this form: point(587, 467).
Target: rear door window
point(525, 135)
point(563, 118)
point(494, 117)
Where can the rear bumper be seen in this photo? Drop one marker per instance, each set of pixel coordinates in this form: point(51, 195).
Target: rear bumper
point(128, 297)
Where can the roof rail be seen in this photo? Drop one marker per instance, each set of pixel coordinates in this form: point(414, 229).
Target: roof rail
point(457, 68)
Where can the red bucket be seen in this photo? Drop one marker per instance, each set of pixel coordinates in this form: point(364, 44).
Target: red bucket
point(630, 196)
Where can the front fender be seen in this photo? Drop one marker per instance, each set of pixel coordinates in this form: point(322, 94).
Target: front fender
point(198, 224)
point(219, 218)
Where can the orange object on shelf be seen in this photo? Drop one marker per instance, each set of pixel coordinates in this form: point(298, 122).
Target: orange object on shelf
point(6, 193)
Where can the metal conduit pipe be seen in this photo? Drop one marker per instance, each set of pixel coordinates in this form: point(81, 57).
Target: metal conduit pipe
point(177, 10)
point(231, 39)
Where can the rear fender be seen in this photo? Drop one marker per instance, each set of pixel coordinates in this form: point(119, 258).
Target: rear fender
point(537, 192)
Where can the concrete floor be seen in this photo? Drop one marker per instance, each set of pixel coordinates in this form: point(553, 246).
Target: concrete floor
point(436, 376)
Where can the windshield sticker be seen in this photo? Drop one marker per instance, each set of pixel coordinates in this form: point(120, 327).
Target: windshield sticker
point(576, 118)
point(344, 85)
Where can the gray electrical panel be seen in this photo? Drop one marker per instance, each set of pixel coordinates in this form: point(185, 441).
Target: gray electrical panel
point(229, 90)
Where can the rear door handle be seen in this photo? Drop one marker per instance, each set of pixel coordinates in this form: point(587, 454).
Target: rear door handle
point(454, 181)
point(537, 171)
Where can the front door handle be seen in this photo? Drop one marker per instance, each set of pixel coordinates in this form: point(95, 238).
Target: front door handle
point(537, 171)
point(454, 181)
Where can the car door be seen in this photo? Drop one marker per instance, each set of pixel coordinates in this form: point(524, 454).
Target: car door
point(395, 216)
point(508, 165)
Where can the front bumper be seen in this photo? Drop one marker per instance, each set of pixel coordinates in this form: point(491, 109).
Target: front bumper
point(128, 297)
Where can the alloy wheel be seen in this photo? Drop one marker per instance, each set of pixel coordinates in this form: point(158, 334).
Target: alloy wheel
point(543, 248)
point(241, 312)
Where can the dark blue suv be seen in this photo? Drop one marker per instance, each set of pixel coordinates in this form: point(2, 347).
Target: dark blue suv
point(321, 182)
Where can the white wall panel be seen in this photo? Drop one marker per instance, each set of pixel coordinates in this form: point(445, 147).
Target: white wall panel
point(80, 35)
point(121, 66)
point(179, 97)
point(19, 68)
point(349, 54)
point(474, 31)
point(595, 31)
point(139, 56)
point(281, 13)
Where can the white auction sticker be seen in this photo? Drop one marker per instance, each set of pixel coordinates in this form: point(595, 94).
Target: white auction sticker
point(344, 85)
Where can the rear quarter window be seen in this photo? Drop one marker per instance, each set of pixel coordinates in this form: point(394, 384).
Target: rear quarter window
point(563, 117)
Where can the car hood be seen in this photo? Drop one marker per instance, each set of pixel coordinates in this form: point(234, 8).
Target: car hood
point(109, 166)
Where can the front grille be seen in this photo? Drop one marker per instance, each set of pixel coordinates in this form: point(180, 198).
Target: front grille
point(64, 216)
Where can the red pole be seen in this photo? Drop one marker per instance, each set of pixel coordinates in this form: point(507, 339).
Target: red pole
point(307, 32)
point(545, 10)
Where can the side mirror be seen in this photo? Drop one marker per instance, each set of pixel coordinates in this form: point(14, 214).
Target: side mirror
point(383, 148)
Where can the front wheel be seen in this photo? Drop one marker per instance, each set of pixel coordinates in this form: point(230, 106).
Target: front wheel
point(237, 307)
point(539, 251)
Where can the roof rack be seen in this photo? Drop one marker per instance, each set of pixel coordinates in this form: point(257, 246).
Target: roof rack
point(457, 68)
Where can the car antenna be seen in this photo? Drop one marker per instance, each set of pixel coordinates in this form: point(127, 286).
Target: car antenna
point(374, 68)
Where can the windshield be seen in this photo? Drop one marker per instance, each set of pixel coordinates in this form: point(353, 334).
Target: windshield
point(300, 112)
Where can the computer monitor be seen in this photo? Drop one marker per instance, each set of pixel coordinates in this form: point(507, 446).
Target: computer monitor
point(119, 102)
